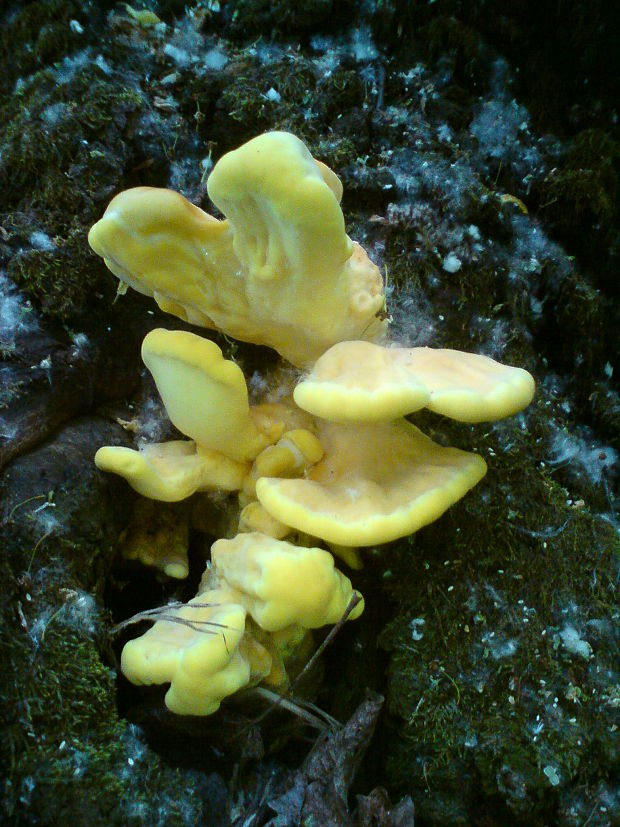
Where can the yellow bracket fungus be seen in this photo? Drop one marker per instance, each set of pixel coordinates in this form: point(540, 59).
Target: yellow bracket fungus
point(208, 649)
point(253, 517)
point(282, 584)
point(206, 398)
point(343, 466)
point(364, 382)
point(197, 652)
point(281, 271)
point(158, 536)
point(205, 395)
point(375, 483)
point(156, 241)
point(291, 456)
point(172, 471)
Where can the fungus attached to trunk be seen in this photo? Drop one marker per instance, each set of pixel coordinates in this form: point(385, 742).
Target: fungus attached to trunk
point(365, 382)
point(339, 465)
point(376, 482)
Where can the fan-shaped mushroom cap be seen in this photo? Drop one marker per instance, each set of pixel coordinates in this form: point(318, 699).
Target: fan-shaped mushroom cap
point(281, 584)
point(375, 483)
point(172, 471)
point(205, 395)
point(162, 245)
point(158, 536)
point(285, 217)
point(280, 272)
point(318, 286)
point(364, 382)
point(197, 653)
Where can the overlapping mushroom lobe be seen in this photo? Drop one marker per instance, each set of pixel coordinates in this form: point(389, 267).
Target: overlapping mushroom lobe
point(196, 650)
point(280, 271)
point(376, 482)
point(361, 381)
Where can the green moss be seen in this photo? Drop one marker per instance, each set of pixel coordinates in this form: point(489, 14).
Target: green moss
point(36, 37)
point(251, 17)
point(60, 708)
point(407, 263)
point(445, 35)
point(62, 282)
point(487, 212)
point(604, 405)
point(51, 139)
point(56, 176)
point(10, 390)
point(245, 100)
point(337, 93)
point(338, 152)
point(481, 677)
point(552, 46)
point(308, 105)
point(67, 754)
point(575, 199)
point(578, 199)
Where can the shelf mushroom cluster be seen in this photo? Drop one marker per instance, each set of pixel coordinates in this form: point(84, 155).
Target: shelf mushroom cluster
point(336, 462)
point(258, 599)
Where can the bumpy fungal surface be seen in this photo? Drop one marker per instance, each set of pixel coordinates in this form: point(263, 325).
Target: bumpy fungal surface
point(376, 482)
point(196, 651)
point(284, 584)
point(338, 465)
point(256, 603)
point(280, 271)
point(364, 382)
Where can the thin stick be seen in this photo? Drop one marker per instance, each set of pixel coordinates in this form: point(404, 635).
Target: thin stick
point(160, 613)
point(291, 706)
point(37, 544)
point(353, 602)
point(24, 502)
point(279, 699)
